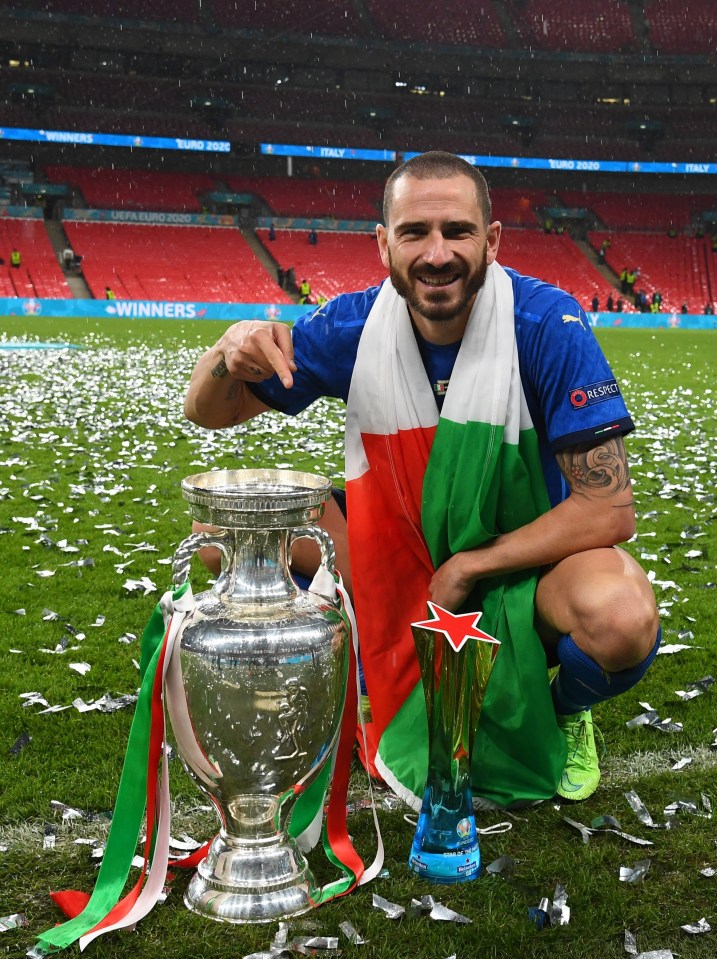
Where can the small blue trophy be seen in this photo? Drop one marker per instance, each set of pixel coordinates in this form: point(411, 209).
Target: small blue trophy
point(456, 659)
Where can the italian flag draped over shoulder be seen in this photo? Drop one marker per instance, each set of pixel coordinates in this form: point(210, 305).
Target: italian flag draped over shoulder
point(422, 487)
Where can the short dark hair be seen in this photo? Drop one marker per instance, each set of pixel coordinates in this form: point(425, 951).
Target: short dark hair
point(438, 165)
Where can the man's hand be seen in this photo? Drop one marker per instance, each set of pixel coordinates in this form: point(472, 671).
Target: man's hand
point(249, 352)
point(253, 351)
point(598, 513)
point(452, 582)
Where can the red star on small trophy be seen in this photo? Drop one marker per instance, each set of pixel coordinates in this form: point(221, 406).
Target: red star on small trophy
point(458, 628)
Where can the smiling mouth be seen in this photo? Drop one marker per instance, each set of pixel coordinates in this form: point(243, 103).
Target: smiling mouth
point(442, 280)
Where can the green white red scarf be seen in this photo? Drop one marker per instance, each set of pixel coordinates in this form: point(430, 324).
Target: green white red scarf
point(422, 487)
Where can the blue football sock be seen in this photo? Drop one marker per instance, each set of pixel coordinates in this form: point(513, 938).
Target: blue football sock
point(580, 683)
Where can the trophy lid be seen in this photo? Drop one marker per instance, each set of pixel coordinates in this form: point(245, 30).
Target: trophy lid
point(253, 498)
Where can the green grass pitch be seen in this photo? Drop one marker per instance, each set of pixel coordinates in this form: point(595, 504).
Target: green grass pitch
point(93, 446)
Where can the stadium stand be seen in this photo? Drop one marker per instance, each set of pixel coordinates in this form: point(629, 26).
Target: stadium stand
point(516, 207)
point(39, 274)
point(294, 16)
point(642, 211)
point(682, 268)
point(172, 263)
point(555, 259)
point(289, 196)
point(134, 189)
point(510, 78)
point(574, 25)
point(446, 23)
point(339, 263)
point(675, 27)
point(183, 11)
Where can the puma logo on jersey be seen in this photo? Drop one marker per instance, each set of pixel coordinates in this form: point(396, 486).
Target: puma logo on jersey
point(567, 318)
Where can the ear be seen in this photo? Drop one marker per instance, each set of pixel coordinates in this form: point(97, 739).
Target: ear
point(493, 240)
point(382, 237)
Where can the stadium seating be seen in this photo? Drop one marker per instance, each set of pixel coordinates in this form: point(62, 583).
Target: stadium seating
point(517, 207)
point(339, 263)
point(39, 274)
point(682, 268)
point(555, 259)
point(289, 16)
point(292, 196)
point(449, 22)
point(641, 211)
point(134, 189)
point(574, 25)
point(184, 11)
point(172, 263)
point(676, 27)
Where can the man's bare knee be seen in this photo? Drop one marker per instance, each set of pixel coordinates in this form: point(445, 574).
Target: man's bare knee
point(621, 631)
point(605, 602)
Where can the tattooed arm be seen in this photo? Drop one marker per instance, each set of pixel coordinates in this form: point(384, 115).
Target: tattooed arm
point(248, 352)
point(598, 513)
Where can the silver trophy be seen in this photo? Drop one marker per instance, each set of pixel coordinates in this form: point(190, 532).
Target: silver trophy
point(264, 668)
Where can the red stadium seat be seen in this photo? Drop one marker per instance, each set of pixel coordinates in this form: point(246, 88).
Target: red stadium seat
point(339, 263)
point(39, 274)
point(206, 264)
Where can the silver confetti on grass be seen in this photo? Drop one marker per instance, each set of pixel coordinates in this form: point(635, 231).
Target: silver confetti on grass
point(697, 928)
point(351, 933)
point(444, 914)
point(547, 912)
point(13, 921)
point(651, 718)
point(639, 808)
point(630, 943)
point(81, 668)
point(689, 807)
point(503, 866)
point(635, 873)
point(50, 836)
point(588, 831)
point(422, 906)
point(672, 648)
point(306, 945)
point(392, 909)
point(560, 910)
point(681, 764)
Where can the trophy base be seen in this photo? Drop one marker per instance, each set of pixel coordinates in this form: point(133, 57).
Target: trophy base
point(445, 868)
point(445, 861)
point(252, 881)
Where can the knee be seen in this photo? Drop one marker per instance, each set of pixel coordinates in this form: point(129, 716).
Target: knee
point(620, 630)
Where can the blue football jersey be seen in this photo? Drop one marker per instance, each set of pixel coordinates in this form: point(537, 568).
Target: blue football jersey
point(570, 390)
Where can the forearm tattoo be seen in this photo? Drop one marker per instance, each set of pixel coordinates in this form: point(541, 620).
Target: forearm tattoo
point(220, 370)
point(596, 470)
point(234, 389)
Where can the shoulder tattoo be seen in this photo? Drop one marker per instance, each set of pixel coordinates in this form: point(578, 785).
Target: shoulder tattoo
point(598, 470)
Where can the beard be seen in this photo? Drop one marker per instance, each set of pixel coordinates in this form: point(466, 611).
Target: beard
point(437, 310)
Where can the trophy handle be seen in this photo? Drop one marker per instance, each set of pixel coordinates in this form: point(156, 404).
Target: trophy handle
point(326, 544)
point(189, 546)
